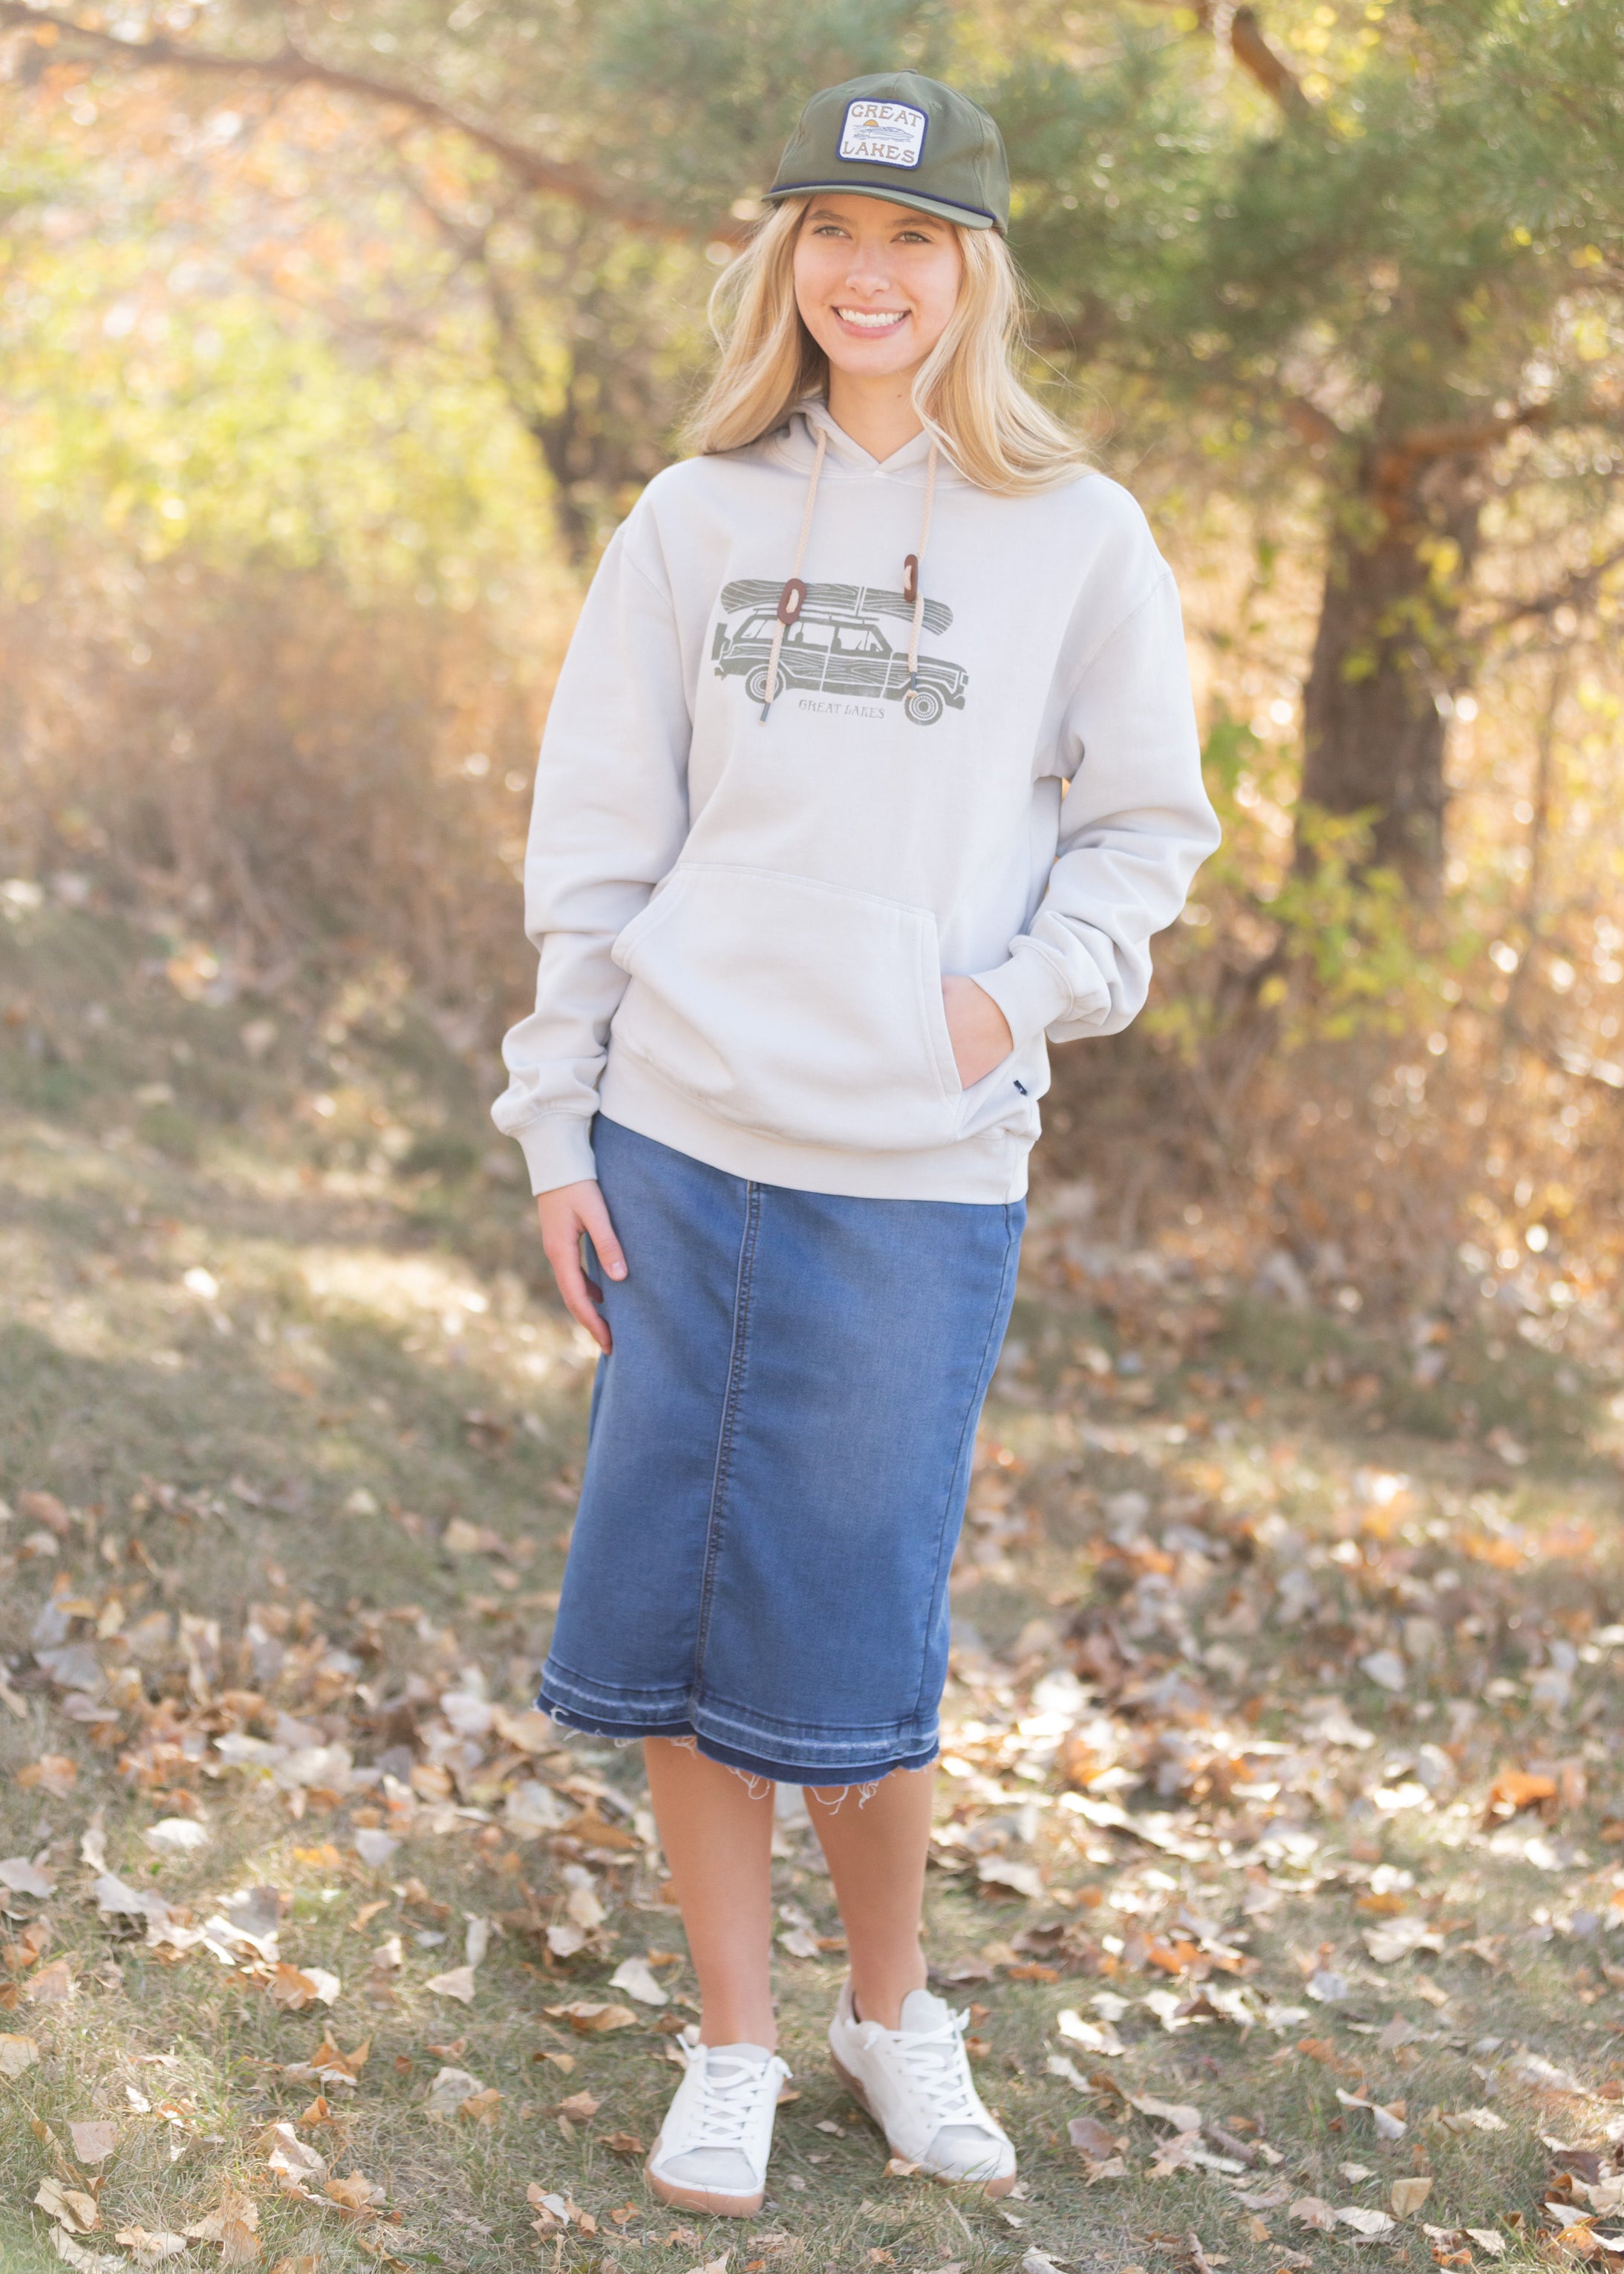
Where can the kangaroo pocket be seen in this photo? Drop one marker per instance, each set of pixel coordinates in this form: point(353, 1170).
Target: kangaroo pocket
point(803, 1010)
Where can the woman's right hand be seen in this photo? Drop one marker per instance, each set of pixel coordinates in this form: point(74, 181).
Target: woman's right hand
point(566, 1213)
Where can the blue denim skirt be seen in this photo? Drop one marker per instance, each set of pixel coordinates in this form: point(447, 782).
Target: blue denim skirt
point(779, 1451)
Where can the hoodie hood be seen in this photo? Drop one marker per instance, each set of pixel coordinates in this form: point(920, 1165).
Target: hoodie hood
point(796, 445)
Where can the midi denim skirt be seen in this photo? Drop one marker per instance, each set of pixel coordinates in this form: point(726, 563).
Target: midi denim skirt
point(779, 1451)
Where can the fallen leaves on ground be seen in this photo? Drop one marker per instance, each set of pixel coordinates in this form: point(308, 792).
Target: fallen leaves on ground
point(1370, 2226)
point(357, 2198)
point(636, 1976)
point(53, 1772)
point(52, 1986)
point(24, 1878)
point(591, 2018)
point(235, 2227)
point(93, 2140)
point(556, 2211)
point(70, 2206)
point(450, 2088)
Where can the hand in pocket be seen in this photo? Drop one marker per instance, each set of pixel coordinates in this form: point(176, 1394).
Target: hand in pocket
point(977, 1029)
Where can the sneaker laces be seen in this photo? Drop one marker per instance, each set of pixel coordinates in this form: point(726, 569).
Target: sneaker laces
point(728, 2098)
point(934, 2061)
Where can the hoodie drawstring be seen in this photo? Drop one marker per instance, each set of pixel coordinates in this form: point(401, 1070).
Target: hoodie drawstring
point(794, 591)
point(911, 587)
point(793, 598)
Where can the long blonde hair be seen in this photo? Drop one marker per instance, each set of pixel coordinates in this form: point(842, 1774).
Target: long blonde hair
point(967, 393)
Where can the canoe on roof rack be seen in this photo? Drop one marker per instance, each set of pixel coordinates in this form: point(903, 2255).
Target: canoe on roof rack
point(855, 602)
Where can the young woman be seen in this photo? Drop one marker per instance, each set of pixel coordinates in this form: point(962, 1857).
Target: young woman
point(872, 765)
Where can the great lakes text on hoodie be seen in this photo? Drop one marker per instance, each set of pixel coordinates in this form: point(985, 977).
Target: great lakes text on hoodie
point(743, 922)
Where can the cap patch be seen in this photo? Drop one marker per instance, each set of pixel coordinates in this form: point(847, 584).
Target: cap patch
point(883, 133)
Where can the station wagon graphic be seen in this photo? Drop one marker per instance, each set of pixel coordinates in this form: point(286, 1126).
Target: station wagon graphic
point(847, 639)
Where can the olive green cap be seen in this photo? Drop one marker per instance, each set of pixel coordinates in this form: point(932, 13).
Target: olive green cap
point(909, 140)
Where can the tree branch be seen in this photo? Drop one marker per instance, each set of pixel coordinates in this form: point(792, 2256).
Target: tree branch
point(1573, 590)
point(1252, 52)
point(1455, 438)
point(292, 68)
point(1308, 423)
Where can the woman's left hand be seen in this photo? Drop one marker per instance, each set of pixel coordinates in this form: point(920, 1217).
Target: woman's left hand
point(977, 1029)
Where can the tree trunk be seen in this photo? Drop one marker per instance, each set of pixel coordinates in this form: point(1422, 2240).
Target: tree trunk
point(1387, 659)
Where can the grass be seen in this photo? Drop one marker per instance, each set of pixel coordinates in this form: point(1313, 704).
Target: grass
point(275, 1321)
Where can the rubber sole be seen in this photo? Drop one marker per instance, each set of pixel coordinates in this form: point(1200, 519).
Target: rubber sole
point(992, 2188)
point(699, 2198)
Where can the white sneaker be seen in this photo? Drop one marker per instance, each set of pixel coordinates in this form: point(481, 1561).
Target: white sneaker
point(712, 2149)
point(915, 2084)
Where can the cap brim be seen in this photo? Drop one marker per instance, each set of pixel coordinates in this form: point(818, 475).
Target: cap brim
point(940, 209)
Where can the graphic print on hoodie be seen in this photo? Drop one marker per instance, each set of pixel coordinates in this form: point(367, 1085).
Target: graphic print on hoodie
point(746, 877)
point(843, 643)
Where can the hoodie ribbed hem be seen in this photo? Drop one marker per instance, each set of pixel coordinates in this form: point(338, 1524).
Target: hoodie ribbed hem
point(987, 1171)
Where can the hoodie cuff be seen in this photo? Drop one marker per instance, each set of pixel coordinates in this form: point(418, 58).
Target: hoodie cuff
point(1029, 990)
point(558, 1150)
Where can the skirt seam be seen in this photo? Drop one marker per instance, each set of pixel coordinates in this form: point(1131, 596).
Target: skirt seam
point(568, 1682)
point(750, 1721)
point(971, 1415)
point(737, 1358)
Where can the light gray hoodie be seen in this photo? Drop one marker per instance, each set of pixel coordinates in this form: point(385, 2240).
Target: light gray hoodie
point(743, 920)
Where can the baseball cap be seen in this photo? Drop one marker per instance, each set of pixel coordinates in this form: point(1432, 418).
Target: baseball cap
point(909, 140)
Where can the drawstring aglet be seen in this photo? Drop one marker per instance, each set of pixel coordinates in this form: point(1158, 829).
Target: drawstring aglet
point(913, 591)
point(792, 599)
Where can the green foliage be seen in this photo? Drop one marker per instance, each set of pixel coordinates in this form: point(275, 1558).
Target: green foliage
point(1415, 237)
point(1350, 947)
point(1292, 915)
point(595, 336)
point(175, 408)
point(715, 88)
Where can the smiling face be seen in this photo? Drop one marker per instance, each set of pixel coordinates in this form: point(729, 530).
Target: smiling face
point(876, 283)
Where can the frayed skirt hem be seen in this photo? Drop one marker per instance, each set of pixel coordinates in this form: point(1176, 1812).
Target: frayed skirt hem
point(821, 1774)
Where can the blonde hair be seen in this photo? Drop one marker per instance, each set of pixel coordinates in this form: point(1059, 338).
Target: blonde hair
point(967, 393)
